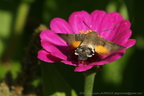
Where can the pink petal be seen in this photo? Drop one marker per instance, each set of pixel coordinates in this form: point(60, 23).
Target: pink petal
point(119, 29)
point(114, 56)
point(96, 19)
point(122, 31)
point(76, 20)
point(50, 36)
point(108, 59)
point(59, 25)
point(54, 50)
point(124, 25)
point(105, 60)
point(69, 62)
point(130, 43)
point(82, 68)
point(123, 37)
point(109, 21)
point(47, 57)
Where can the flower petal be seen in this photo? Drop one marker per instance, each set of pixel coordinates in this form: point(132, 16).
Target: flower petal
point(130, 43)
point(50, 36)
point(124, 25)
point(69, 62)
point(123, 37)
point(96, 19)
point(54, 50)
point(110, 58)
point(114, 56)
point(59, 25)
point(109, 21)
point(47, 57)
point(77, 19)
point(122, 33)
point(82, 68)
point(121, 28)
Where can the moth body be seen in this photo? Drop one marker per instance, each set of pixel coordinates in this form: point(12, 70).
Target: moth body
point(86, 48)
point(87, 44)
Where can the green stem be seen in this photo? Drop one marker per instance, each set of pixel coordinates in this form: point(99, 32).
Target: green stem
point(89, 82)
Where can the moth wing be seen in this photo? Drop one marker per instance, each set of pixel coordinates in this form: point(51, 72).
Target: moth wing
point(104, 47)
point(72, 39)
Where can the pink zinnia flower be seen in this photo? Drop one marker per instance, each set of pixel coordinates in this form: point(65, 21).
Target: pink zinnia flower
point(58, 50)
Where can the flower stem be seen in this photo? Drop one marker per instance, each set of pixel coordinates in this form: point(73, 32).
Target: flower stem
point(89, 82)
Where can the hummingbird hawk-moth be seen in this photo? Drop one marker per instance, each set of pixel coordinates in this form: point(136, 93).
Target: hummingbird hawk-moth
point(87, 44)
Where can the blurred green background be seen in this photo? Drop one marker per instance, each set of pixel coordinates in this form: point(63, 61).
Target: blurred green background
point(19, 19)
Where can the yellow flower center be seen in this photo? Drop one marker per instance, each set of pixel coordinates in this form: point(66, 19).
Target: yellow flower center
point(88, 31)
